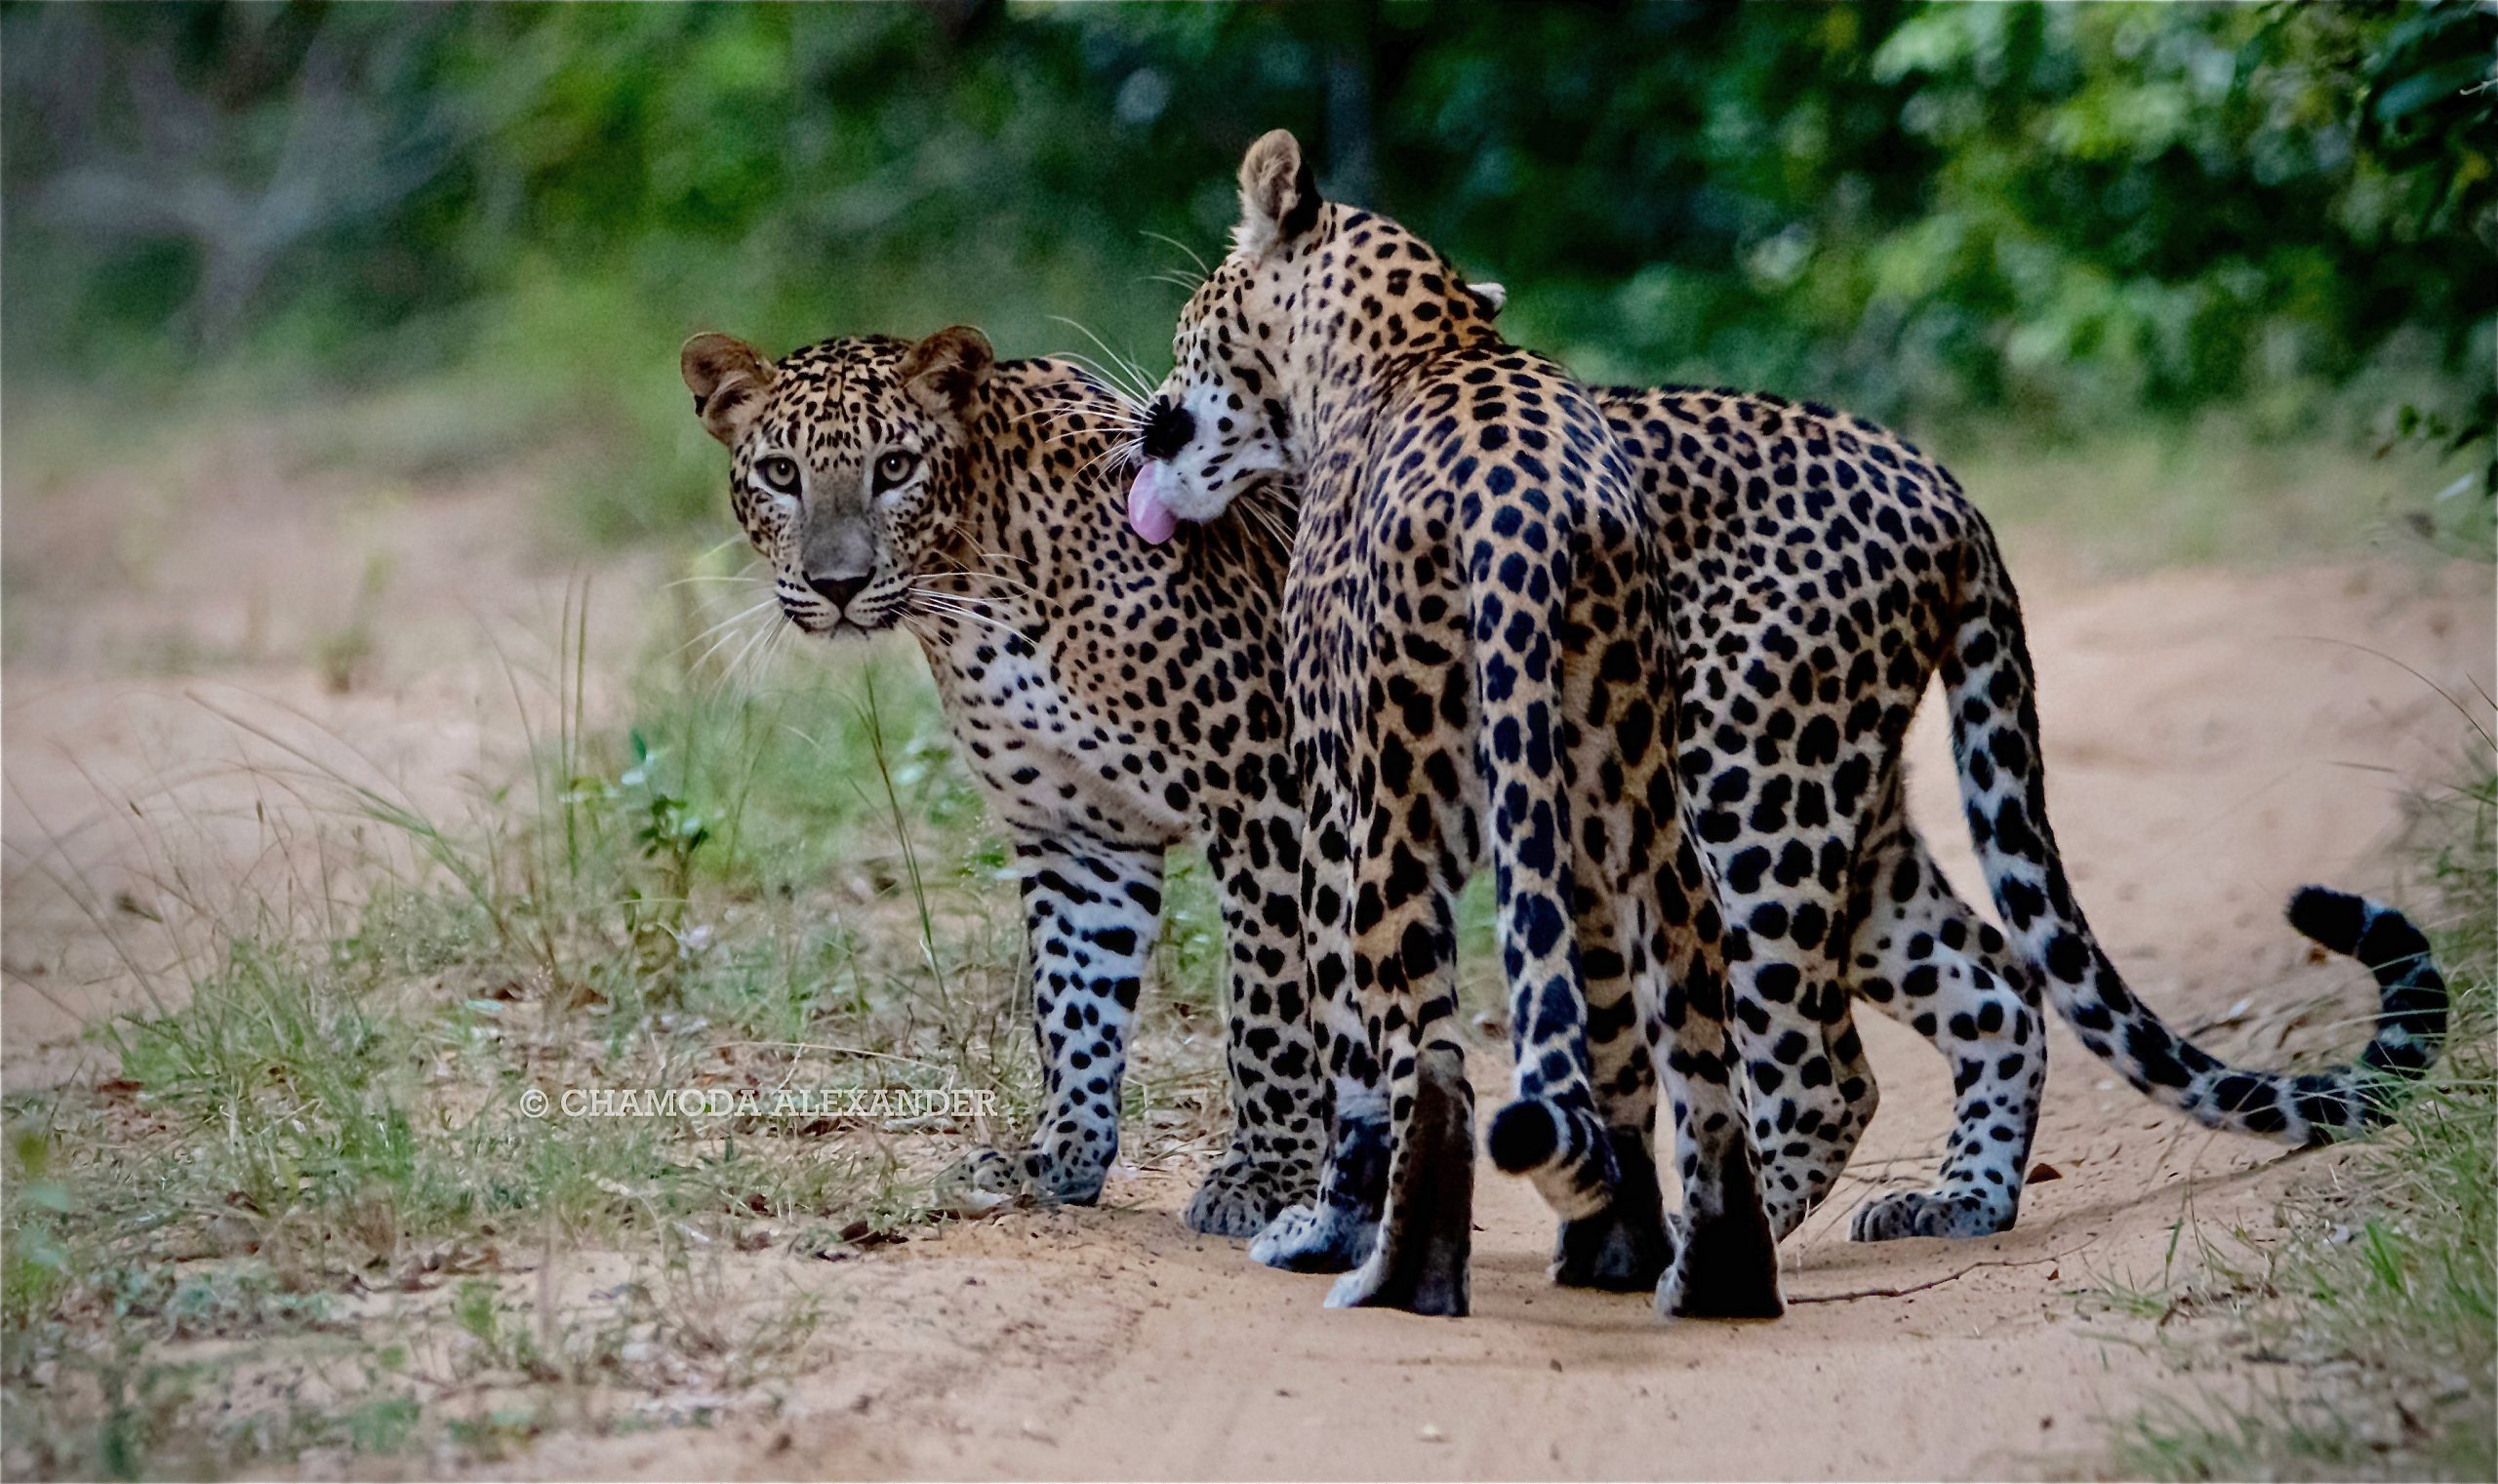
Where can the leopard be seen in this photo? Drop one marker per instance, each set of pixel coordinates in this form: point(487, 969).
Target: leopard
point(1111, 698)
point(1737, 476)
point(1479, 676)
point(1820, 573)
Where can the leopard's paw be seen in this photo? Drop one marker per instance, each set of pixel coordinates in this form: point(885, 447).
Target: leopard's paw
point(1241, 1196)
point(1725, 1268)
point(1026, 1175)
point(1932, 1214)
point(1621, 1249)
point(1426, 1277)
point(1315, 1239)
point(997, 1171)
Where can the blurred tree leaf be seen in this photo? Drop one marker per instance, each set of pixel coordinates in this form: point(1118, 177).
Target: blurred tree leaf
point(2079, 213)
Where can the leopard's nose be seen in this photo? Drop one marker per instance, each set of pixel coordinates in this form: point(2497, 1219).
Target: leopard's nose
point(838, 590)
point(1168, 427)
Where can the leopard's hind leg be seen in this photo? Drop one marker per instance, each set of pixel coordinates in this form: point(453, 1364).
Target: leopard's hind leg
point(1627, 1246)
point(1725, 1264)
point(1922, 956)
point(1403, 922)
point(1782, 882)
point(1278, 1099)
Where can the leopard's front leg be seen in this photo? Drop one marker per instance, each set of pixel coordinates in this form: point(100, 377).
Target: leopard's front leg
point(1091, 910)
point(1278, 1097)
point(1335, 1231)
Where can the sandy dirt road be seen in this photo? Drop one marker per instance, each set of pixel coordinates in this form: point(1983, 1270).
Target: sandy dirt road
point(2214, 740)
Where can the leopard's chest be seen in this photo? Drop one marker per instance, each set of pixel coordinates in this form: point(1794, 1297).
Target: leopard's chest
point(1049, 757)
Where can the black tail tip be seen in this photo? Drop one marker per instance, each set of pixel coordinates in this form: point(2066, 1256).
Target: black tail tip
point(2412, 1020)
point(2334, 919)
point(1523, 1137)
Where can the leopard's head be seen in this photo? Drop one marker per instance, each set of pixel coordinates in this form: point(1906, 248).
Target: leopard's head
point(848, 464)
point(1308, 286)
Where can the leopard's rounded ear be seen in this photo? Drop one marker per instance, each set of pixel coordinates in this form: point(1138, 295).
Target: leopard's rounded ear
point(1489, 298)
point(945, 372)
point(1280, 197)
point(728, 378)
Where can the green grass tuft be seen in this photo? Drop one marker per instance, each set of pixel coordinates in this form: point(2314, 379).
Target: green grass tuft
point(746, 880)
point(2381, 1307)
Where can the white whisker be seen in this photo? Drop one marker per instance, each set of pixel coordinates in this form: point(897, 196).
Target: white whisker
point(739, 617)
point(948, 593)
point(703, 660)
point(1041, 417)
point(759, 667)
point(977, 575)
point(1140, 383)
point(1203, 271)
point(1112, 382)
point(947, 608)
point(731, 673)
point(1127, 448)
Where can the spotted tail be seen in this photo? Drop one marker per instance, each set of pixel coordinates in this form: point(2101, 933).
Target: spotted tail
point(1988, 681)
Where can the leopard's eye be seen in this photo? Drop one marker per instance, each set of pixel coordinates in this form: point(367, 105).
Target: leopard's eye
point(780, 474)
point(893, 467)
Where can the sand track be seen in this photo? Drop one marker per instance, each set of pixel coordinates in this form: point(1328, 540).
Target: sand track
point(2214, 740)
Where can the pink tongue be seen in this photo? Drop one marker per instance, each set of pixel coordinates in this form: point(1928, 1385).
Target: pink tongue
point(1147, 512)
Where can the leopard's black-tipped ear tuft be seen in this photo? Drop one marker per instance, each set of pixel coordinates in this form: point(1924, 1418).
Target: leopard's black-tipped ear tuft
point(1279, 196)
point(945, 372)
point(728, 378)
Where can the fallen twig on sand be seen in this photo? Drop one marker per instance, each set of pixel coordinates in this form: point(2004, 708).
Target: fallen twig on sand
point(1918, 1288)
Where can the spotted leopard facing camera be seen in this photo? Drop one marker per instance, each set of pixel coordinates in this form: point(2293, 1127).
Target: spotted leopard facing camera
point(1112, 700)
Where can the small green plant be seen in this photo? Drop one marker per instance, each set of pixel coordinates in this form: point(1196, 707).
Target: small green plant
point(504, 1337)
point(35, 1264)
point(670, 833)
point(342, 654)
point(2383, 1302)
point(2462, 516)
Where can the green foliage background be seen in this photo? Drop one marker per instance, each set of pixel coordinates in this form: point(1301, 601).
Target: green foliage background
point(2078, 213)
point(426, 242)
